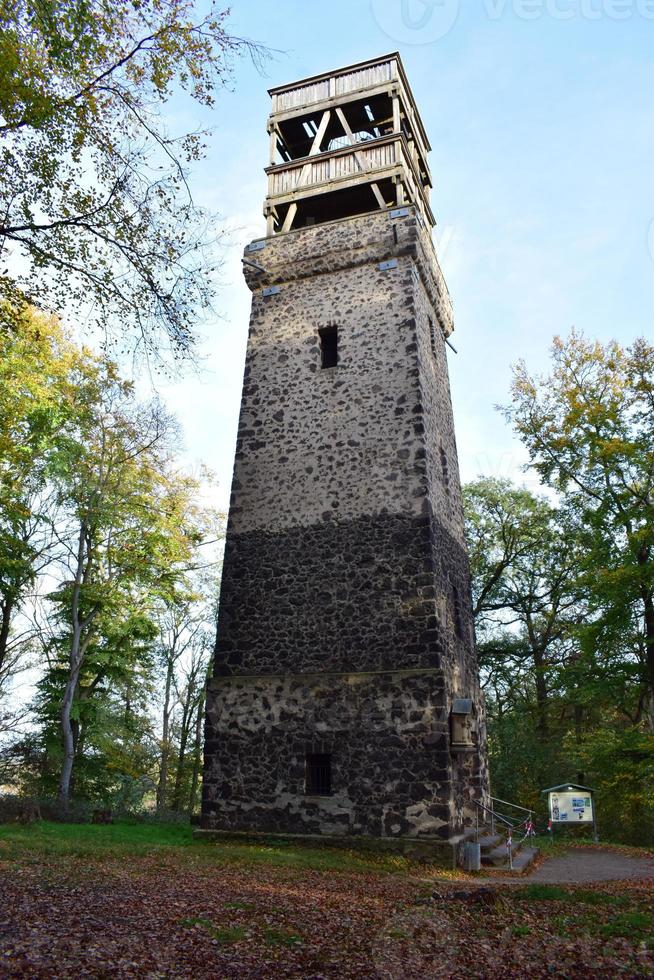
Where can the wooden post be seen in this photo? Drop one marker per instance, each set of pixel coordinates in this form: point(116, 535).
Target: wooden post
point(397, 125)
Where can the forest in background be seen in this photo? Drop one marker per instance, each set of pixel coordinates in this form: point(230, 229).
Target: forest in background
point(108, 580)
point(563, 587)
point(109, 576)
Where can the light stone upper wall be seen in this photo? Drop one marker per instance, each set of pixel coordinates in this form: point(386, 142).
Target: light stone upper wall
point(318, 444)
point(334, 444)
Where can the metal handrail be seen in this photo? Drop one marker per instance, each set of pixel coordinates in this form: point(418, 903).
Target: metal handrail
point(496, 816)
point(524, 809)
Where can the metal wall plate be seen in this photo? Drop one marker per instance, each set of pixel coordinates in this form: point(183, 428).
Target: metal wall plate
point(388, 264)
point(462, 706)
point(270, 291)
point(400, 213)
point(255, 246)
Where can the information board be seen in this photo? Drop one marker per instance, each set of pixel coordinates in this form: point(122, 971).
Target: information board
point(571, 807)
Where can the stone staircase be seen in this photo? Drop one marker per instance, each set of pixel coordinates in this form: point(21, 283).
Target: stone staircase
point(494, 826)
point(494, 853)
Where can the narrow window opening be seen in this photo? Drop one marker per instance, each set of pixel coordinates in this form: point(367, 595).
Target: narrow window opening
point(456, 611)
point(432, 337)
point(318, 778)
point(328, 347)
point(445, 470)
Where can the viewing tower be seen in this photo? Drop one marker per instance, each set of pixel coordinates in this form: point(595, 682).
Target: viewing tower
point(345, 699)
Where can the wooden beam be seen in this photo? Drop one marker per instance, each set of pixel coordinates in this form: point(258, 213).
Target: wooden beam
point(315, 146)
point(378, 194)
point(299, 112)
point(350, 135)
point(290, 214)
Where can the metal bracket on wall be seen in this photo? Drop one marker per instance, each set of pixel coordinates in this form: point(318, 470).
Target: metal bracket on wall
point(388, 264)
point(255, 246)
point(270, 291)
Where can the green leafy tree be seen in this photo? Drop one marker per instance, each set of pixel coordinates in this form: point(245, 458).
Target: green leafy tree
point(524, 559)
point(41, 376)
point(128, 541)
point(589, 430)
point(94, 198)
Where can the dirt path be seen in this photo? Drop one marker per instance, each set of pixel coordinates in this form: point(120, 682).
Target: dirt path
point(581, 865)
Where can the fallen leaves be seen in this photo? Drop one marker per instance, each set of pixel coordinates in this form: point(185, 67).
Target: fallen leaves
point(176, 915)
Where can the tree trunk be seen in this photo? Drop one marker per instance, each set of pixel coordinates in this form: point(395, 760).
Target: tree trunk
point(5, 613)
point(165, 740)
point(66, 727)
point(197, 755)
point(183, 739)
point(77, 650)
point(649, 664)
point(541, 691)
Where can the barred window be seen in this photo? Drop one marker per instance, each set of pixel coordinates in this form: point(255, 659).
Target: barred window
point(318, 774)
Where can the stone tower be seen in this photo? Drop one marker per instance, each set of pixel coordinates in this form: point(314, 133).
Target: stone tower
point(345, 699)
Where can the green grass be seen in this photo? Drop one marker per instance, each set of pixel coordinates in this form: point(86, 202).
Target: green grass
point(281, 937)
point(579, 896)
point(225, 935)
point(85, 840)
point(123, 839)
point(629, 925)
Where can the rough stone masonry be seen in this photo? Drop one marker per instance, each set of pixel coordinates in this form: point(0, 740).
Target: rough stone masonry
point(345, 632)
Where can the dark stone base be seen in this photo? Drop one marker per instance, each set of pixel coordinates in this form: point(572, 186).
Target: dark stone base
point(349, 595)
point(386, 733)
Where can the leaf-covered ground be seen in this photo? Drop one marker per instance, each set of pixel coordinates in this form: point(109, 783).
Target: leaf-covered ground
point(146, 902)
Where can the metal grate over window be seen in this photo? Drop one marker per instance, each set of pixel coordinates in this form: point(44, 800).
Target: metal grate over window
point(318, 777)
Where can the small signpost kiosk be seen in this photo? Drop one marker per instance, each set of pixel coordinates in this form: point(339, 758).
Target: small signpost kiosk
point(570, 803)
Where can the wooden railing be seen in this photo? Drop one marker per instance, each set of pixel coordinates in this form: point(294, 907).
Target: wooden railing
point(337, 165)
point(337, 84)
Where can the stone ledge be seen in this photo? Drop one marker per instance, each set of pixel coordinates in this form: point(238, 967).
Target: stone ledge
point(314, 675)
point(363, 239)
point(442, 853)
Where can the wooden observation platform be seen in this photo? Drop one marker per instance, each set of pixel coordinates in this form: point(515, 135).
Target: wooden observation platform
point(344, 143)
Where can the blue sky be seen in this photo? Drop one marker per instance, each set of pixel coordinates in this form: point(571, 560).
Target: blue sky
point(541, 118)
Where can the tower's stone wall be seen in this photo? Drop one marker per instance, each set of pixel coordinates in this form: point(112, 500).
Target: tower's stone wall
point(345, 622)
point(386, 733)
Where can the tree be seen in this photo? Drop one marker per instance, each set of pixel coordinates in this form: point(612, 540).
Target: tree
point(93, 190)
point(187, 629)
point(589, 430)
point(524, 556)
point(128, 540)
point(180, 631)
point(41, 372)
